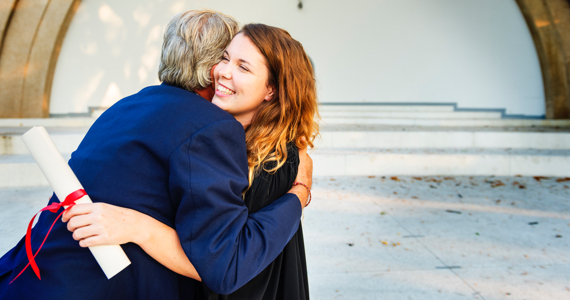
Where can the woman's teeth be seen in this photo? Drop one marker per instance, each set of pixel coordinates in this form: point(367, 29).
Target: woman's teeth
point(225, 90)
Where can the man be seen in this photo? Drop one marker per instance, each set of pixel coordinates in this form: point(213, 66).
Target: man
point(174, 156)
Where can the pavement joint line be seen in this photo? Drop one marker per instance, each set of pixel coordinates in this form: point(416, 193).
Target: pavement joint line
point(436, 256)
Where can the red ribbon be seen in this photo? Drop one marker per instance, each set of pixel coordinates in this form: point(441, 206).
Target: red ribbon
point(54, 207)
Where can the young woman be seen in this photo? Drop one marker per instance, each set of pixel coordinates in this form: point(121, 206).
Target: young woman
point(266, 81)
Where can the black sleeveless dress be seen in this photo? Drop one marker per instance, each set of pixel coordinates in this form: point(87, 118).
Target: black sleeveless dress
point(286, 277)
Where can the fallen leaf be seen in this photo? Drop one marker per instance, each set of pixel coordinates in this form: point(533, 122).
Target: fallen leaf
point(539, 178)
point(522, 186)
point(394, 178)
point(372, 176)
point(448, 178)
point(433, 180)
point(414, 197)
point(563, 179)
point(417, 178)
point(498, 201)
point(497, 183)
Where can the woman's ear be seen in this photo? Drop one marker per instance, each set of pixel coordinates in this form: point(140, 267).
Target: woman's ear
point(270, 92)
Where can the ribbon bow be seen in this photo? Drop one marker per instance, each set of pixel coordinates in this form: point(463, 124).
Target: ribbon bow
point(54, 207)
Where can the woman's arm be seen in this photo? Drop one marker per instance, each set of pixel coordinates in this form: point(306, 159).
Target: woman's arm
point(105, 224)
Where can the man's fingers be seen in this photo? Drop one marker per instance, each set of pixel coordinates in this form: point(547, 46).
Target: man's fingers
point(76, 210)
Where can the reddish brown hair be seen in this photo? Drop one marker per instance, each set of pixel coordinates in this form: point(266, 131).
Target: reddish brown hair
point(290, 116)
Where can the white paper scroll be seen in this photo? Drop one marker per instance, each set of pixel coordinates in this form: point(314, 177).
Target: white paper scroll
point(111, 258)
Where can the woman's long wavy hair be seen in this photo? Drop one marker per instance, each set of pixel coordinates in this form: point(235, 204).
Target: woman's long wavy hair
point(291, 115)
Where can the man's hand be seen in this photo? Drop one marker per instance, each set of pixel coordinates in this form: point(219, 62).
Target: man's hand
point(304, 175)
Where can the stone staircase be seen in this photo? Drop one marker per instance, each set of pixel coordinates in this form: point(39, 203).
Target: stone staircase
point(384, 140)
point(368, 140)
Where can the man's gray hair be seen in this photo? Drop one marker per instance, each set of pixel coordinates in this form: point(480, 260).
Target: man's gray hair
point(194, 41)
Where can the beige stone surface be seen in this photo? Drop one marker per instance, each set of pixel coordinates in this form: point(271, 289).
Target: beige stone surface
point(43, 57)
point(548, 22)
point(18, 41)
point(29, 54)
point(6, 7)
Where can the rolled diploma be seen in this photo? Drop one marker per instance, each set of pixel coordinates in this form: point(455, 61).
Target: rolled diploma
point(111, 258)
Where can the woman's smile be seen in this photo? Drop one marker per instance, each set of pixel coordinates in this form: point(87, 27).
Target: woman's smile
point(224, 91)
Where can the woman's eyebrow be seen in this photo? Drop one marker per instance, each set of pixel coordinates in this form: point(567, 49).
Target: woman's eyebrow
point(240, 60)
point(245, 61)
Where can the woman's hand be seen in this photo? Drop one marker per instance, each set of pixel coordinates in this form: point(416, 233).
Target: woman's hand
point(305, 172)
point(95, 224)
point(304, 175)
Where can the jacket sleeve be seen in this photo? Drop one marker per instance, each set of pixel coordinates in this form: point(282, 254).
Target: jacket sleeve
point(227, 246)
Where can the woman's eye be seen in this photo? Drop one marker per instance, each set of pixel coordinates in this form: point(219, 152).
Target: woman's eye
point(225, 58)
point(243, 68)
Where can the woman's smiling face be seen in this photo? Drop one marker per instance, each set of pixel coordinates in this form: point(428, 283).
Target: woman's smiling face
point(241, 80)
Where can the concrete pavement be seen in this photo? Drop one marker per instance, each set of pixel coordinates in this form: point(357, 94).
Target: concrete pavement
point(414, 238)
point(439, 238)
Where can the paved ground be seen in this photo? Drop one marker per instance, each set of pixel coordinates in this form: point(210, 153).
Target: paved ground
point(414, 238)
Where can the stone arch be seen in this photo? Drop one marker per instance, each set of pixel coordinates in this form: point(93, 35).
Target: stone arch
point(32, 32)
point(549, 25)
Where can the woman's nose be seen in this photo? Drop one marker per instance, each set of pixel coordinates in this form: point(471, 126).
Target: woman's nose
point(225, 71)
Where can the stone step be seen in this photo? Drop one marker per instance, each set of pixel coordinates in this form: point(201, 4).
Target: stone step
point(427, 162)
point(49, 122)
point(325, 107)
point(22, 171)
point(392, 139)
point(66, 139)
point(410, 115)
point(327, 121)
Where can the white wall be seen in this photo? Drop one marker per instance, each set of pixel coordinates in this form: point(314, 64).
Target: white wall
point(476, 53)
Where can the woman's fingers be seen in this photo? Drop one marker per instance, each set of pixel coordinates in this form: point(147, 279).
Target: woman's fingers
point(82, 233)
point(92, 241)
point(78, 209)
point(78, 222)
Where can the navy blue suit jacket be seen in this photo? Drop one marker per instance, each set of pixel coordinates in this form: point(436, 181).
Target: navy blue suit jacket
point(170, 154)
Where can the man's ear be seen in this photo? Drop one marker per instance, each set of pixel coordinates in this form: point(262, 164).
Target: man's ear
point(270, 92)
